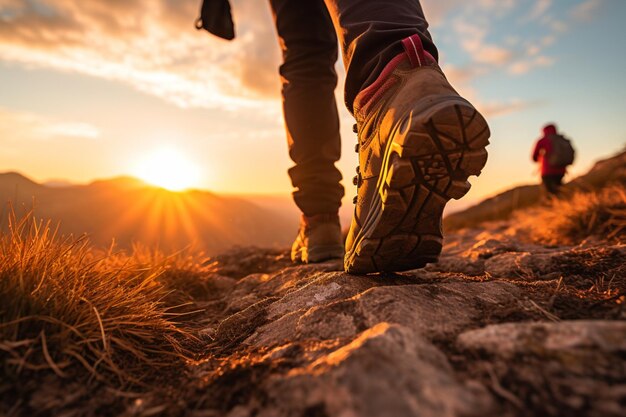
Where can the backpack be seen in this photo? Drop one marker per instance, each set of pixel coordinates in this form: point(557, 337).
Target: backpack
point(562, 153)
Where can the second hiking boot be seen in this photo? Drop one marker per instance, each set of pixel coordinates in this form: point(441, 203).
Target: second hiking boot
point(419, 141)
point(319, 239)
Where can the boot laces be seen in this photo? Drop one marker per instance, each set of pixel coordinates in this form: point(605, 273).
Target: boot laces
point(358, 179)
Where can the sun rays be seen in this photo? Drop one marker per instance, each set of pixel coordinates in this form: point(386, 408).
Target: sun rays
point(168, 168)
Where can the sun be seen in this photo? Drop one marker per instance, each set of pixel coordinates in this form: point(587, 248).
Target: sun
point(168, 168)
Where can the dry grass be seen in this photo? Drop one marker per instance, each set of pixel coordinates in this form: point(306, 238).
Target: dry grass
point(585, 214)
point(68, 309)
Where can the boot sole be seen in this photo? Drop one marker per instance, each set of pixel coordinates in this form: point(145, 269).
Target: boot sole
point(319, 254)
point(429, 157)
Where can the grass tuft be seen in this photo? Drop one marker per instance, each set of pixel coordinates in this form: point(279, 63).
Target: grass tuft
point(68, 309)
point(585, 214)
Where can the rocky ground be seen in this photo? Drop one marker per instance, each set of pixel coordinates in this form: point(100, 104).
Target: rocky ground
point(508, 323)
point(497, 328)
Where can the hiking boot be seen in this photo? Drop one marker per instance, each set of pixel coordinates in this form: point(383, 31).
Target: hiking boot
point(319, 239)
point(419, 141)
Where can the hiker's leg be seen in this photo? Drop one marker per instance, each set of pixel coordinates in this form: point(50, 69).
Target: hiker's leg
point(371, 33)
point(545, 181)
point(418, 140)
point(309, 47)
point(558, 183)
point(551, 184)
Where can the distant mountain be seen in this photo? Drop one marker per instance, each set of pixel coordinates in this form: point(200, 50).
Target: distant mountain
point(128, 211)
point(605, 172)
point(122, 182)
point(13, 181)
point(57, 183)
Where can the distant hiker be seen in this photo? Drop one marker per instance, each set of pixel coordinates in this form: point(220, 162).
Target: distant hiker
point(554, 152)
point(418, 140)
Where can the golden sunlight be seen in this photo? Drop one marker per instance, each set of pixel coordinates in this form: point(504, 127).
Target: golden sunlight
point(168, 168)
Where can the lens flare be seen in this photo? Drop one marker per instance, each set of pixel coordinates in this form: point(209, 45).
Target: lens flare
point(168, 168)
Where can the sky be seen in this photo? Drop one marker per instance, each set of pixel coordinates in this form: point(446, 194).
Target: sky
point(89, 89)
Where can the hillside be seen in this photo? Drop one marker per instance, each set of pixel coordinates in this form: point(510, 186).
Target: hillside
point(604, 173)
point(129, 211)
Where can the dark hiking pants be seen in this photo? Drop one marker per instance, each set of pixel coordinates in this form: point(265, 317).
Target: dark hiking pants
point(370, 34)
point(552, 183)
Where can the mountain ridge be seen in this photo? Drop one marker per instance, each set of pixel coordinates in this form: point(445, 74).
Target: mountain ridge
point(129, 211)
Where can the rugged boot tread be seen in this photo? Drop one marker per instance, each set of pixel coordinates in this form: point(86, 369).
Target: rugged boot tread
point(428, 161)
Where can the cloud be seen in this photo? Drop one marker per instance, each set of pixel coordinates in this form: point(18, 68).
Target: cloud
point(72, 129)
point(473, 41)
point(149, 44)
point(540, 8)
point(527, 64)
point(461, 78)
point(437, 10)
point(479, 32)
point(462, 75)
point(498, 37)
point(585, 11)
point(23, 126)
point(152, 46)
point(500, 108)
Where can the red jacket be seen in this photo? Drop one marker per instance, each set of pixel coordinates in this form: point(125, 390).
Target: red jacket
point(543, 147)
